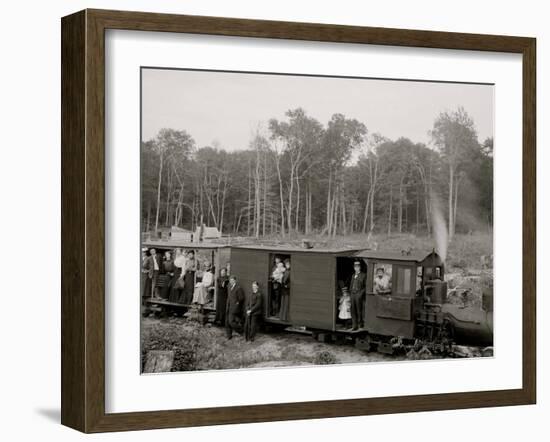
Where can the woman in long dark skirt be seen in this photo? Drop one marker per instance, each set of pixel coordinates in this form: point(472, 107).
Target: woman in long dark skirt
point(253, 312)
point(221, 300)
point(168, 269)
point(179, 264)
point(189, 278)
point(285, 292)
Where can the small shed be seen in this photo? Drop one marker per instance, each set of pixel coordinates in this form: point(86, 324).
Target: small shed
point(179, 234)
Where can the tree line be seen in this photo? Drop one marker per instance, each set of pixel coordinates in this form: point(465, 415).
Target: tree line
point(300, 176)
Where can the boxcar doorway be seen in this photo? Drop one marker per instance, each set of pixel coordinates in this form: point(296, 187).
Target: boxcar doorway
point(277, 270)
point(344, 273)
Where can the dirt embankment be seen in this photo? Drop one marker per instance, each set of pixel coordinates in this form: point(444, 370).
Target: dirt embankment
point(199, 347)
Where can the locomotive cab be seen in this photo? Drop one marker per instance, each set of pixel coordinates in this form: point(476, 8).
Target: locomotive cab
point(398, 285)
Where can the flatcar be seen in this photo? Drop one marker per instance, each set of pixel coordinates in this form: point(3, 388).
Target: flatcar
point(414, 313)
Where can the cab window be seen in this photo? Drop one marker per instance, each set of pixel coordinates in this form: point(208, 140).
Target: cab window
point(403, 280)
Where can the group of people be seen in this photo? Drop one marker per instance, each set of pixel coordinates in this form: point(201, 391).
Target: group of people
point(177, 275)
point(180, 280)
point(237, 312)
point(351, 303)
point(280, 289)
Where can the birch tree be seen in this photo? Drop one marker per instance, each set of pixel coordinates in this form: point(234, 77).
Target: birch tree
point(455, 136)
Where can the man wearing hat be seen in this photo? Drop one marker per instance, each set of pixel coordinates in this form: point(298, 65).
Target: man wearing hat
point(357, 285)
point(234, 309)
point(152, 265)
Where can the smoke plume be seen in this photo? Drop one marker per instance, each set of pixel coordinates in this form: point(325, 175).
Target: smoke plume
point(439, 227)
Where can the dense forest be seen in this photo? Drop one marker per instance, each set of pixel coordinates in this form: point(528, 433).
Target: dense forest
point(298, 175)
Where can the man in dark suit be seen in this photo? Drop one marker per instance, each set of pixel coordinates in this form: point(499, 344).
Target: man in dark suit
point(253, 312)
point(145, 292)
point(153, 266)
point(358, 286)
point(234, 310)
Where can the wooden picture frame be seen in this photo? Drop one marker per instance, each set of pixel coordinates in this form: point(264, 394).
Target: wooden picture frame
point(83, 219)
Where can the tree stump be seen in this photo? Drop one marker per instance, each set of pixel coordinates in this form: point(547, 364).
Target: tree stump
point(159, 361)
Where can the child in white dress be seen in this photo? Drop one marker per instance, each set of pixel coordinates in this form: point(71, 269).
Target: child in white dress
point(344, 308)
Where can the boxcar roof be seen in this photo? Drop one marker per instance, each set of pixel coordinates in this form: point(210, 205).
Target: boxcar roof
point(295, 249)
point(174, 244)
point(388, 255)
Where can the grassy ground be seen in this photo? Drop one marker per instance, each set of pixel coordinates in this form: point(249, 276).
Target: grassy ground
point(199, 347)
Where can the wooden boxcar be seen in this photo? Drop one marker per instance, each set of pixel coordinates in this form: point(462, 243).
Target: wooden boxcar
point(313, 288)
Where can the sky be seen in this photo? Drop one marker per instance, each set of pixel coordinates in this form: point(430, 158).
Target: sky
point(223, 109)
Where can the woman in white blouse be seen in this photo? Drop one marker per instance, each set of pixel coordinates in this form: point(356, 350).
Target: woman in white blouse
point(179, 273)
point(200, 296)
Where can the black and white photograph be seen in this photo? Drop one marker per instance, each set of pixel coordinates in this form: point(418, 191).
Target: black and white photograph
point(305, 220)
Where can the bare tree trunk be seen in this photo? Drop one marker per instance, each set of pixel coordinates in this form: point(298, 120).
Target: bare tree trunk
point(290, 194)
point(373, 194)
point(417, 210)
point(257, 195)
point(352, 219)
point(168, 196)
point(329, 208)
point(223, 201)
point(235, 222)
point(239, 222)
point(366, 212)
point(455, 204)
point(400, 208)
point(148, 225)
point(161, 163)
point(249, 199)
point(297, 220)
point(406, 218)
point(344, 221)
point(306, 214)
point(335, 206)
point(390, 214)
point(310, 203)
point(278, 165)
point(371, 228)
point(451, 189)
point(265, 193)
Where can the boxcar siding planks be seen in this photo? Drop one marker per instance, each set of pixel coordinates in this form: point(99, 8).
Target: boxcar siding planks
point(249, 266)
point(312, 290)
